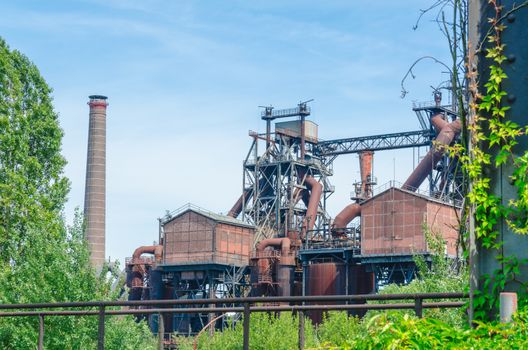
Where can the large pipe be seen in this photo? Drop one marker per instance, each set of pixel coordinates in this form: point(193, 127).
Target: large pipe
point(438, 122)
point(138, 268)
point(237, 207)
point(346, 215)
point(442, 141)
point(365, 169)
point(235, 211)
point(316, 190)
point(283, 243)
point(94, 192)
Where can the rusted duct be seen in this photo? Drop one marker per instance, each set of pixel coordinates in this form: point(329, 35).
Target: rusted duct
point(244, 198)
point(286, 263)
point(440, 144)
point(346, 215)
point(438, 122)
point(284, 244)
point(138, 267)
point(237, 208)
point(316, 190)
point(365, 169)
point(156, 250)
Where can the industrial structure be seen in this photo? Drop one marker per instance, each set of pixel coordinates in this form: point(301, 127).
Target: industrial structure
point(95, 189)
point(278, 238)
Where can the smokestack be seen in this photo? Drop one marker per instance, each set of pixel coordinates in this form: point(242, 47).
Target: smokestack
point(95, 190)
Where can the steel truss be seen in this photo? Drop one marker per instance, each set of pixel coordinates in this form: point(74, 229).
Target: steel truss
point(194, 282)
point(381, 142)
point(277, 181)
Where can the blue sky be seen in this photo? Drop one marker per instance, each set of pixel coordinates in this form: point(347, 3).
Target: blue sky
point(184, 79)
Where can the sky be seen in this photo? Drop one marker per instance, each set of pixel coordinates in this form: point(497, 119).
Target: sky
point(184, 80)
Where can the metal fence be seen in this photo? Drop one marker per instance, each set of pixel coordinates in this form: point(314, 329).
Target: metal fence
point(240, 305)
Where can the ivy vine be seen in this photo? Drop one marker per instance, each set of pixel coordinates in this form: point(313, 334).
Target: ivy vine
point(491, 143)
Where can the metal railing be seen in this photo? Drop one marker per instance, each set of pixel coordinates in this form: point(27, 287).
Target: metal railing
point(243, 305)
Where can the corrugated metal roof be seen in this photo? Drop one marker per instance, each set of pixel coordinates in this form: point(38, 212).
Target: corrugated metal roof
point(209, 214)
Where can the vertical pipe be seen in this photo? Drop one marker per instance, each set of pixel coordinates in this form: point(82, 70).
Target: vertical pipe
point(268, 133)
point(303, 150)
point(365, 169)
point(41, 333)
point(101, 329)
point(246, 326)
point(94, 193)
point(211, 316)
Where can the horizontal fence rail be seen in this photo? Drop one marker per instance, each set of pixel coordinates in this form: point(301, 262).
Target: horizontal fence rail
point(229, 305)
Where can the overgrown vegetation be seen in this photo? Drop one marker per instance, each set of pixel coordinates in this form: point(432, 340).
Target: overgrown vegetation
point(492, 142)
point(381, 331)
point(42, 260)
point(441, 274)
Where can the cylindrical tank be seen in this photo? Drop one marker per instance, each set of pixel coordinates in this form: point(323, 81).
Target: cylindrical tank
point(285, 276)
point(325, 279)
point(94, 192)
point(360, 281)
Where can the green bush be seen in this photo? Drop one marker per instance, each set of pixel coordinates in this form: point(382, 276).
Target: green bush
point(266, 332)
point(380, 331)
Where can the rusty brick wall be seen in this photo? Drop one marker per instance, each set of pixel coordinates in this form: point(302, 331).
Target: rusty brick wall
point(233, 244)
point(193, 238)
point(392, 223)
point(443, 219)
point(188, 239)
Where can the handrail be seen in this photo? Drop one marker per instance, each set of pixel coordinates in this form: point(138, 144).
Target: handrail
point(249, 304)
point(251, 300)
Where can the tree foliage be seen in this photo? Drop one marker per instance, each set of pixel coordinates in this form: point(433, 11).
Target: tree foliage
point(42, 260)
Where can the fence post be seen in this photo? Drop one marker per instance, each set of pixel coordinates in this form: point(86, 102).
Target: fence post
point(301, 329)
point(41, 333)
point(246, 325)
point(101, 330)
point(508, 306)
point(418, 307)
point(161, 331)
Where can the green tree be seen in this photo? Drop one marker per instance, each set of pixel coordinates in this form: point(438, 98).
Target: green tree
point(33, 188)
point(41, 260)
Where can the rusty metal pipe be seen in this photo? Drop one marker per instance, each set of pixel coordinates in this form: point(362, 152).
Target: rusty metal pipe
point(138, 268)
point(438, 122)
point(365, 169)
point(316, 190)
point(346, 215)
point(284, 244)
point(295, 299)
point(442, 141)
point(156, 250)
point(237, 207)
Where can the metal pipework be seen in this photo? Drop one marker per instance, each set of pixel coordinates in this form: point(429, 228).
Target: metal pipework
point(237, 207)
point(287, 261)
point(95, 187)
point(316, 190)
point(365, 169)
point(346, 215)
point(138, 268)
point(438, 122)
point(442, 141)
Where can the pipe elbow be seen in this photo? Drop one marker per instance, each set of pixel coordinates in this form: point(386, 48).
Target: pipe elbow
point(346, 215)
point(156, 250)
